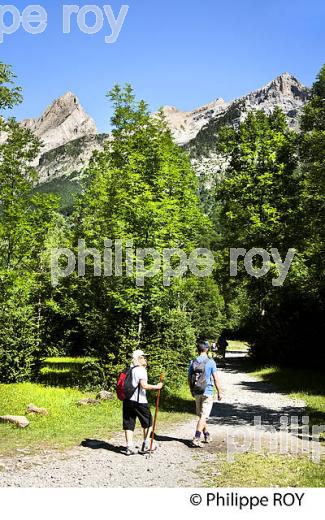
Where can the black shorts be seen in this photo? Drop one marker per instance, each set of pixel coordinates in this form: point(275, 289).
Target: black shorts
point(133, 410)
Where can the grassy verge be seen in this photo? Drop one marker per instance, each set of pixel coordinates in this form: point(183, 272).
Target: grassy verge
point(63, 371)
point(235, 345)
point(263, 470)
point(67, 423)
point(61, 361)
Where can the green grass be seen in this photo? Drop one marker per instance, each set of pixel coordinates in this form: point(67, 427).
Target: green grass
point(67, 423)
point(263, 470)
point(59, 361)
point(237, 345)
point(63, 371)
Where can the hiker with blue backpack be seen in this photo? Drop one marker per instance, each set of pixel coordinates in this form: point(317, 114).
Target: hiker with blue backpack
point(131, 389)
point(202, 377)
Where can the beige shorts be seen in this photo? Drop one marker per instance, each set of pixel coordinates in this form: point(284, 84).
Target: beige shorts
point(203, 405)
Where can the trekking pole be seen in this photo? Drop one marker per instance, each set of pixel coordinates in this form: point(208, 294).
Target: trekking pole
point(155, 418)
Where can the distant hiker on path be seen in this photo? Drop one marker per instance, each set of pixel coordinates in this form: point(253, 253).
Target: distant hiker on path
point(214, 349)
point(202, 377)
point(222, 345)
point(135, 404)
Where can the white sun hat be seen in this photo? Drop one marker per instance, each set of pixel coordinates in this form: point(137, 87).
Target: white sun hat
point(138, 353)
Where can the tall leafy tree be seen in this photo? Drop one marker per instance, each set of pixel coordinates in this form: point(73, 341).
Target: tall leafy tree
point(310, 284)
point(141, 188)
point(258, 205)
point(312, 156)
point(259, 197)
point(24, 217)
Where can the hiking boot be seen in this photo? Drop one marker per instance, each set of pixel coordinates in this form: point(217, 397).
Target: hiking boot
point(145, 448)
point(207, 439)
point(196, 441)
point(129, 451)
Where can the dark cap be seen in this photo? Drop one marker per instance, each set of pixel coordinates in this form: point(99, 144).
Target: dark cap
point(203, 345)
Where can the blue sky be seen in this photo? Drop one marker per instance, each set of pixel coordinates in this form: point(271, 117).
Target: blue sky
point(176, 52)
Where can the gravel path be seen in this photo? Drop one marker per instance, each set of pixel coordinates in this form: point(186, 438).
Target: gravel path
point(99, 463)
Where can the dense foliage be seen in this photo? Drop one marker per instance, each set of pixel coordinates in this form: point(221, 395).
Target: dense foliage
point(24, 221)
point(272, 196)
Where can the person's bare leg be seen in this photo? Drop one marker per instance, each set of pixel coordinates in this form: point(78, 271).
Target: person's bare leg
point(129, 438)
point(201, 425)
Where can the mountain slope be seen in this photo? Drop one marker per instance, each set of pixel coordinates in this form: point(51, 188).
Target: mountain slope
point(285, 91)
point(186, 125)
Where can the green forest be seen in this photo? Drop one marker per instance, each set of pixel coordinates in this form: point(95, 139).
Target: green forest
point(142, 188)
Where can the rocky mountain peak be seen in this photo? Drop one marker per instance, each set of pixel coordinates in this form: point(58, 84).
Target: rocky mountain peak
point(185, 125)
point(63, 121)
point(286, 85)
point(285, 91)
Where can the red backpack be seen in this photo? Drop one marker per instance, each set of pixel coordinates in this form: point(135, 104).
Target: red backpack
point(124, 386)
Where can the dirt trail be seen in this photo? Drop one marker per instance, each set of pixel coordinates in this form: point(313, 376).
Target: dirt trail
point(99, 462)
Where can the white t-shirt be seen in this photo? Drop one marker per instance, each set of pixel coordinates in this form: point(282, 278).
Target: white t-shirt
point(139, 373)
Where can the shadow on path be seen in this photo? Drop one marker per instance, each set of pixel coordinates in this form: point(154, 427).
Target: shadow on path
point(243, 413)
point(96, 444)
point(166, 438)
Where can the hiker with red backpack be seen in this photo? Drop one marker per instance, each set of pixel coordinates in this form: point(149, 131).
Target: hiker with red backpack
point(131, 389)
point(202, 378)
